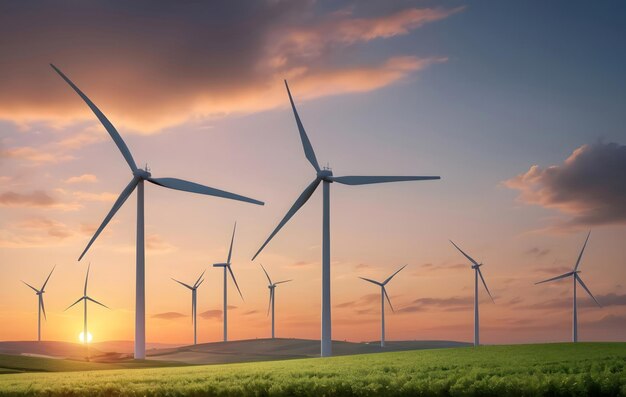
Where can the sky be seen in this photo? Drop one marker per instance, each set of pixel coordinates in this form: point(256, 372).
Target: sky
point(518, 106)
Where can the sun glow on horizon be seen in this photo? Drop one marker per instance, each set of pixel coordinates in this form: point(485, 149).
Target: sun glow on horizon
point(81, 337)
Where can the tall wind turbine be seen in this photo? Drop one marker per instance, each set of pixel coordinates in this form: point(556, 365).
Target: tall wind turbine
point(139, 176)
point(227, 270)
point(272, 287)
point(576, 279)
point(86, 298)
point(39, 293)
point(325, 176)
point(383, 295)
point(193, 289)
point(477, 273)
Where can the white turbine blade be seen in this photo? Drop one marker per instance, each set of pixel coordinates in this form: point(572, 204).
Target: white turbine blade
point(186, 186)
point(95, 301)
point(270, 303)
point(368, 180)
point(282, 282)
point(465, 255)
point(116, 206)
point(371, 281)
point(556, 278)
point(392, 276)
point(580, 280)
point(43, 309)
point(31, 287)
point(485, 284)
point(80, 299)
point(304, 197)
point(266, 275)
point(86, 279)
point(198, 280)
point(388, 300)
point(46, 282)
point(581, 252)
point(183, 284)
point(306, 144)
point(105, 122)
point(232, 240)
point(234, 280)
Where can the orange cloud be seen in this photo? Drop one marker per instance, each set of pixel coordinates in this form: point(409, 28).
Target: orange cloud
point(143, 81)
point(88, 178)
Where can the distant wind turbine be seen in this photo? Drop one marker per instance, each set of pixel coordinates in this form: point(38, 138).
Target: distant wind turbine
point(41, 308)
point(325, 176)
point(477, 273)
point(193, 289)
point(272, 287)
point(383, 295)
point(139, 176)
point(86, 298)
point(576, 279)
point(227, 270)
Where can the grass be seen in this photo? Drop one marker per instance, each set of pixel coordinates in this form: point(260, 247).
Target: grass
point(597, 369)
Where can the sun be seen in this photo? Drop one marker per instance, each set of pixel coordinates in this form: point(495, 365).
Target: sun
point(81, 337)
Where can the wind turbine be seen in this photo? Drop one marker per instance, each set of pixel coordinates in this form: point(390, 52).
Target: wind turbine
point(139, 176)
point(272, 287)
point(227, 269)
point(39, 293)
point(383, 295)
point(86, 298)
point(477, 273)
point(576, 278)
point(325, 176)
point(193, 302)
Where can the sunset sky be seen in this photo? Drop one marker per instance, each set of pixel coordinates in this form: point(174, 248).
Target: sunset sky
point(519, 106)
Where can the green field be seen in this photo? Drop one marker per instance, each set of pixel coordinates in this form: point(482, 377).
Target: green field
point(597, 369)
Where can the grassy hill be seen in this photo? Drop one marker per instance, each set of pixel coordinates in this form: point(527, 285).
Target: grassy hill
point(279, 348)
point(597, 369)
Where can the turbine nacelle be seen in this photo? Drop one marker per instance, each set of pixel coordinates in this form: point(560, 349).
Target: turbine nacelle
point(325, 174)
point(143, 174)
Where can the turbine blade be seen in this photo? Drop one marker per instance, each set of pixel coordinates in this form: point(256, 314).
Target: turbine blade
point(580, 280)
point(306, 144)
point(116, 206)
point(80, 299)
point(485, 284)
point(556, 278)
point(200, 283)
point(390, 277)
point(388, 300)
point(46, 282)
point(43, 308)
point(198, 280)
point(234, 280)
point(86, 279)
point(232, 240)
point(304, 197)
point(183, 284)
point(581, 252)
point(270, 303)
point(282, 282)
point(186, 186)
point(464, 254)
point(95, 301)
point(266, 275)
point(105, 122)
point(371, 281)
point(368, 180)
point(31, 287)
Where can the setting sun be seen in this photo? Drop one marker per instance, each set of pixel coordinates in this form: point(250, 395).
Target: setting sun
point(81, 337)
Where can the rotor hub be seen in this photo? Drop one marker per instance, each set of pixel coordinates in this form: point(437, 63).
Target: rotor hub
point(143, 174)
point(325, 173)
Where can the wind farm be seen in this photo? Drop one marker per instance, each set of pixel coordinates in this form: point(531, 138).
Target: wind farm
point(468, 283)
